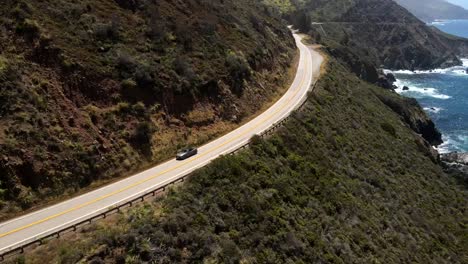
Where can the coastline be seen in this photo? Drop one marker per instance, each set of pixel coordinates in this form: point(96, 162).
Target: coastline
point(436, 100)
point(451, 26)
point(453, 162)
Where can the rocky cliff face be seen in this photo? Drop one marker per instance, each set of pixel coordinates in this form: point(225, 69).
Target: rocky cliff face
point(415, 117)
point(368, 35)
point(383, 33)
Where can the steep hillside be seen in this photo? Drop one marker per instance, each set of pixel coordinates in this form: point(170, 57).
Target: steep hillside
point(345, 181)
point(430, 10)
point(379, 32)
point(350, 178)
point(91, 90)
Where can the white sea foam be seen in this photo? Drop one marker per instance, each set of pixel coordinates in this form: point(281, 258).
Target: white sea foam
point(460, 72)
point(418, 88)
point(463, 138)
point(445, 147)
point(418, 92)
point(457, 142)
point(427, 92)
point(434, 110)
point(408, 72)
point(465, 62)
point(456, 70)
point(441, 22)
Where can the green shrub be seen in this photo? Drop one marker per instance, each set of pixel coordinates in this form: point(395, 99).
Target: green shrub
point(129, 87)
point(4, 68)
point(142, 137)
point(123, 107)
point(108, 31)
point(139, 109)
point(29, 28)
point(239, 70)
point(144, 76)
point(387, 127)
point(182, 68)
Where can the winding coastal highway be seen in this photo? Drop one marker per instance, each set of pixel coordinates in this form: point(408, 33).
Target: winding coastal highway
point(23, 230)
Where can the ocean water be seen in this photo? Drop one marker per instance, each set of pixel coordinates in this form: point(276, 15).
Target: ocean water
point(455, 27)
point(443, 93)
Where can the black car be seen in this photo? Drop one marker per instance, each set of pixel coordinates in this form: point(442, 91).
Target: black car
point(186, 153)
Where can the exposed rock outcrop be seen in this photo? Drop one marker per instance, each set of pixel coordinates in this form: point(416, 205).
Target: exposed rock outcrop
point(455, 157)
point(382, 33)
point(456, 164)
point(391, 77)
point(386, 80)
point(413, 115)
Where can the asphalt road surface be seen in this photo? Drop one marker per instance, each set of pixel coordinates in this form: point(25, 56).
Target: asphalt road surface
point(31, 227)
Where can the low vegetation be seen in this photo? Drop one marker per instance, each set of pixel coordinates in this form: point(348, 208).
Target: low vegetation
point(93, 90)
point(350, 178)
point(348, 186)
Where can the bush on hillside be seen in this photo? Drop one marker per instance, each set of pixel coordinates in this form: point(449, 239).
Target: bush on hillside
point(29, 28)
point(142, 137)
point(239, 71)
point(108, 31)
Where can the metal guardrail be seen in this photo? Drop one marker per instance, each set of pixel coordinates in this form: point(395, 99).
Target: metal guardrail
point(139, 199)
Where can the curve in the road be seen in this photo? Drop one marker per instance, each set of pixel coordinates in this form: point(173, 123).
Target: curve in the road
point(31, 227)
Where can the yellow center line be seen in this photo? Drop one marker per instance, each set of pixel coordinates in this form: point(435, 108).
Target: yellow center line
point(163, 172)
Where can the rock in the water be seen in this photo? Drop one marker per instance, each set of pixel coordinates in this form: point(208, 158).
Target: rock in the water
point(405, 88)
point(466, 70)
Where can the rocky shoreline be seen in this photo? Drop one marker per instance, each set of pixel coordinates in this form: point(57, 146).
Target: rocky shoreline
point(455, 157)
point(410, 111)
point(456, 164)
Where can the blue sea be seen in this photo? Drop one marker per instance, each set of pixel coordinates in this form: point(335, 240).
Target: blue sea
point(454, 27)
point(443, 93)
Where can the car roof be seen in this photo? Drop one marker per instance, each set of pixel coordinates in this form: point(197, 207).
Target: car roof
point(186, 149)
